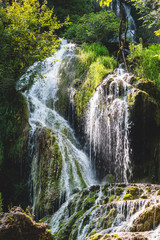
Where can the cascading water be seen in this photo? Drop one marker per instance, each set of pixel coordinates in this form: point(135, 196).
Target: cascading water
point(131, 33)
point(107, 126)
point(76, 171)
point(108, 216)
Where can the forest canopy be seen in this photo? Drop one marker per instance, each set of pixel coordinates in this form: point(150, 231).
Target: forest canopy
point(27, 34)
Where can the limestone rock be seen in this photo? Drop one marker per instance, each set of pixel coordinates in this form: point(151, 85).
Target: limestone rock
point(17, 225)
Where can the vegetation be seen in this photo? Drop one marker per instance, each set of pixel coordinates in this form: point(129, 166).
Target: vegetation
point(1, 205)
point(27, 34)
point(94, 27)
point(72, 8)
point(93, 64)
point(145, 62)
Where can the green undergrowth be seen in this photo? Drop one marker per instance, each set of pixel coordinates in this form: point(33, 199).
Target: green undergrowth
point(145, 62)
point(94, 27)
point(13, 137)
point(92, 65)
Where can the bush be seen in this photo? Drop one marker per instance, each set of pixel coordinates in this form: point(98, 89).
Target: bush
point(1, 205)
point(94, 27)
point(92, 66)
point(145, 62)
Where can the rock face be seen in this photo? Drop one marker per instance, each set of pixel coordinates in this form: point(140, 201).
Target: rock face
point(119, 128)
point(110, 211)
point(16, 225)
point(46, 172)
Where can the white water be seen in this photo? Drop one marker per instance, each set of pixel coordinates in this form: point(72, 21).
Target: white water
point(42, 98)
point(94, 217)
point(107, 125)
point(131, 33)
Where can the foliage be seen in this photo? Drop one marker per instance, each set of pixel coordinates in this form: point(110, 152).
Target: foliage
point(145, 62)
point(104, 2)
point(1, 205)
point(13, 129)
point(27, 35)
point(149, 13)
point(94, 27)
point(71, 8)
point(93, 65)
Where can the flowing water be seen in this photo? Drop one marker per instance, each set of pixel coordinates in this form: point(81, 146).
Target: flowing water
point(42, 98)
point(107, 125)
point(131, 33)
point(103, 217)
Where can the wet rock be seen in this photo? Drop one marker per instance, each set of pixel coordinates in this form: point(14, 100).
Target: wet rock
point(46, 172)
point(17, 225)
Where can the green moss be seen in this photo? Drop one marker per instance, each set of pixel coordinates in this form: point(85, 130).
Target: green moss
point(91, 68)
point(80, 175)
point(131, 99)
point(117, 190)
point(46, 177)
point(144, 196)
point(96, 237)
point(148, 189)
point(66, 228)
point(128, 196)
point(132, 192)
point(111, 198)
point(108, 220)
point(110, 178)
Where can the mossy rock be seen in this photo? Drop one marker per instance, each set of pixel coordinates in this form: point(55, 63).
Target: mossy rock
point(128, 196)
point(108, 220)
point(147, 220)
point(48, 161)
point(132, 192)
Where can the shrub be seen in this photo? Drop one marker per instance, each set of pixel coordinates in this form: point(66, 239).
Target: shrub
point(145, 62)
point(93, 64)
point(94, 27)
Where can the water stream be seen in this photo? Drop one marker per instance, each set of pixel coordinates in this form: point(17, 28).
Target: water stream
point(42, 97)
point(107, 126)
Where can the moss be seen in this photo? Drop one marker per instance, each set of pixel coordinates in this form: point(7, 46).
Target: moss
point(158, 192)
point(89, 202)
point(131, 99)
point(108, 220)
point(149, 218)
point(132, 192)
point(66, 228)
point(148, 189)
point(47, 175)
point(80, 175)
point(117, 190)
point(128, 196)
point(111, 198)
point(144, 196)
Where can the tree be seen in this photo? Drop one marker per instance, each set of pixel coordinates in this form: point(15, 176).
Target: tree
point(150, 12)
point(149, 9)
point(27, 34)
point(122, 43)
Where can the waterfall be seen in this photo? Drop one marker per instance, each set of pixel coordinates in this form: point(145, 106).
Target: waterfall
point(103, 216)
point(76, 171)
point(107, 126)
point(131, 33)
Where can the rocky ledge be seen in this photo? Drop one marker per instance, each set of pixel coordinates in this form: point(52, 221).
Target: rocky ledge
point(17, 225)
